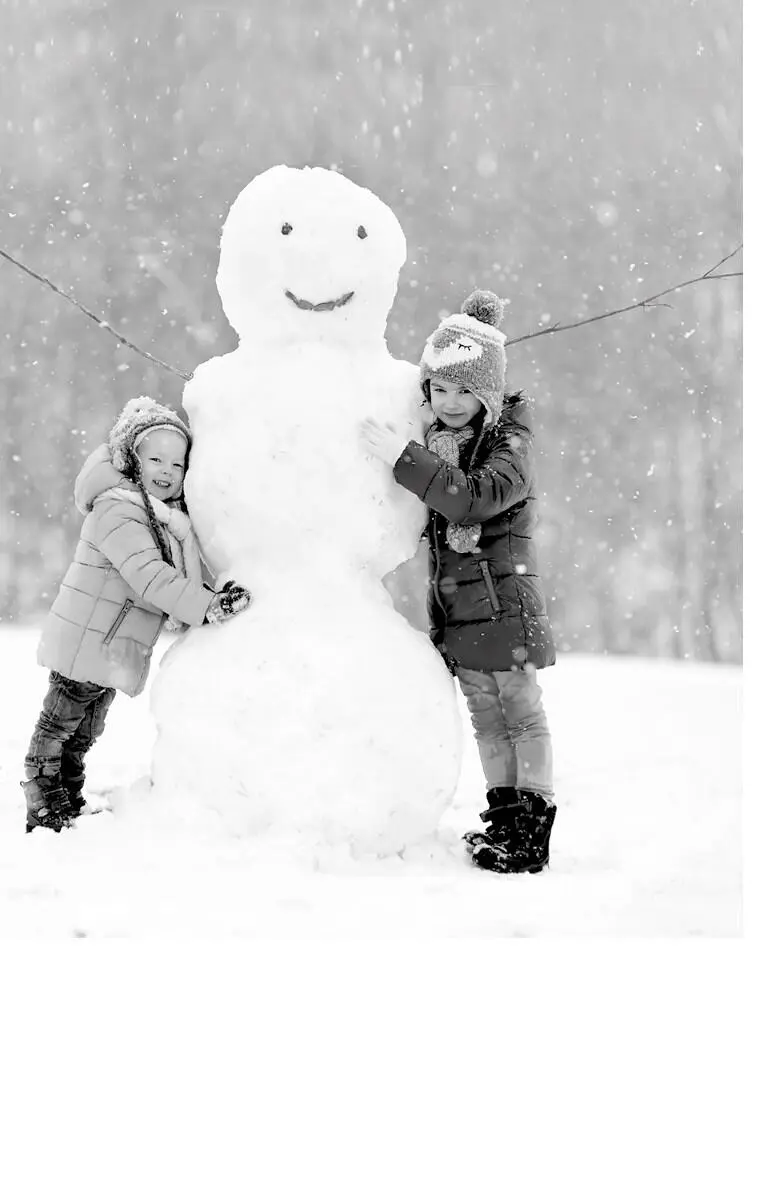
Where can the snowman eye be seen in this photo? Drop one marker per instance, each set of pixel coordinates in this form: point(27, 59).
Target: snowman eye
point(361, 232)
point(287, 228)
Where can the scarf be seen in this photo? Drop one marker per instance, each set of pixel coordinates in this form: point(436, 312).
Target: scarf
point(447, 443)
point(183, 543)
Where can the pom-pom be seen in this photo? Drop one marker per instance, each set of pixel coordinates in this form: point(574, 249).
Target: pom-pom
point(485, 306)
point(141, 403)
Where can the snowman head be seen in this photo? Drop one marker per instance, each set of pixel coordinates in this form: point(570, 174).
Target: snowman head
point(306, 254)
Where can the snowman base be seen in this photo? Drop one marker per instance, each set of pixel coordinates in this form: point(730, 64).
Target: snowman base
point(268, 727)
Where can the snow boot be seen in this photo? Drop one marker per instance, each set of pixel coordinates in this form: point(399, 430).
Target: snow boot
point(47, 804)
point(517, 838)
point(73, 789)
point(503, 803)
point(72, 779)
point(78, 805)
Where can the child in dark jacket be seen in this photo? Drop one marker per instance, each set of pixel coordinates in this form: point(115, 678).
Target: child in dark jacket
point(486, 605)
point(136, 565)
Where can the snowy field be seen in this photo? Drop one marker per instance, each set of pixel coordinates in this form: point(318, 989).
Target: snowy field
point(646, 842)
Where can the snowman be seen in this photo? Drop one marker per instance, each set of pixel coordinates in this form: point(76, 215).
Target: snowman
point(319, 713)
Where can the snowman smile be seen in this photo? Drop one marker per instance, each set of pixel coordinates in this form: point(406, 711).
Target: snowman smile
point(328, 305)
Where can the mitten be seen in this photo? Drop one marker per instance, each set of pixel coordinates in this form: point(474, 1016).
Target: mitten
point(236, 590)
point(228, 602)
point(437, 638)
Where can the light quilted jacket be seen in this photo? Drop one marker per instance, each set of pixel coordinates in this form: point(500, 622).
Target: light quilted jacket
point(117, 592)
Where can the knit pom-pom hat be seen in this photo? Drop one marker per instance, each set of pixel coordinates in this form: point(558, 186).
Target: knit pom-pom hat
point(468, 348)
point(139, 417)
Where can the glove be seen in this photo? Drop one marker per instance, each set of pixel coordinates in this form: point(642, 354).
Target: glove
point(235, 589)
point(436, 635)
point(229, 601)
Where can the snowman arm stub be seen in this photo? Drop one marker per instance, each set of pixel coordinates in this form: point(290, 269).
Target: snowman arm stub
point(463, 498)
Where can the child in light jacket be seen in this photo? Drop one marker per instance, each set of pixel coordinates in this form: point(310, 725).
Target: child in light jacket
point(136, 566)
point(486, 604)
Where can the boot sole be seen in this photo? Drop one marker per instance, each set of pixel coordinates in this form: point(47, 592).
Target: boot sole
point(31, 825)
point(487, 856)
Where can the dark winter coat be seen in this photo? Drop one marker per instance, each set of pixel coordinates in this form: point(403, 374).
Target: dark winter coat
point(487, 608)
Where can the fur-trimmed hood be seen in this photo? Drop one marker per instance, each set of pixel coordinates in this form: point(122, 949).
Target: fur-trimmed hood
point(98, 475)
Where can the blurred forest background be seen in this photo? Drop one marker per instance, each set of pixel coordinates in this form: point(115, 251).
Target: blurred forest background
point(572, 156)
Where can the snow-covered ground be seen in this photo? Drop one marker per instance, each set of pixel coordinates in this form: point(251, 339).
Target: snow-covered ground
point(647, 840)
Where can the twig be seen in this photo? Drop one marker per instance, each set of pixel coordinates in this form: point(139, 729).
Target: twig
point(727, 258)
point(100, 323)
point(648, 301)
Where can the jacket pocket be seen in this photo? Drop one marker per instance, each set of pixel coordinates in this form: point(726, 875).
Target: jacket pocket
point(484, 566)
point(118, 621)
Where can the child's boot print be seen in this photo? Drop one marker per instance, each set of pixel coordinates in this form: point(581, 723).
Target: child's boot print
point(47, 804)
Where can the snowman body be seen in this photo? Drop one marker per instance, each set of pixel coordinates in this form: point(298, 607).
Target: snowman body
point(319, 711)
point(286, 481)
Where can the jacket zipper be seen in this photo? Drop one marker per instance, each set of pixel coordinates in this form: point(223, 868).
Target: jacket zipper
point(490, 585)
point(128, 604)
point(436, 576)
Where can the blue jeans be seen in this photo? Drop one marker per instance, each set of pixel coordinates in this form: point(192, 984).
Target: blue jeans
point(73, 717)
point(510, 726)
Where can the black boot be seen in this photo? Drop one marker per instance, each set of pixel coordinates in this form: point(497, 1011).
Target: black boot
point(73, 790)
point(47, 803)
point(524, 846)
point(72, 778)
point(500, 817)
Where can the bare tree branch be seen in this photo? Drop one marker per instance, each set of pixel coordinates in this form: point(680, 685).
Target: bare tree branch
point(648, 302)
point(727, 258)
point(100, 322)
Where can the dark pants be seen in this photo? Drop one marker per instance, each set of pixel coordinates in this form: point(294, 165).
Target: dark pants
point(73, 716)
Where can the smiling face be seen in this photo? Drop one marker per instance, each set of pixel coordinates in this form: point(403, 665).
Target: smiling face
point(307, 254)
point(162, 455)
point(453, 403)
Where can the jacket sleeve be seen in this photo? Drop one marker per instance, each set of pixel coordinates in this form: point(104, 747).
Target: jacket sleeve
point(124, 537)
point(501, 481)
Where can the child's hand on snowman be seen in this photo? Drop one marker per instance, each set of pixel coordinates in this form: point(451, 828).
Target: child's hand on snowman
point(228, 602)
point(383, 441)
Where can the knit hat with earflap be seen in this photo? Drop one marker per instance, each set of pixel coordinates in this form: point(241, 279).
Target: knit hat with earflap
point(467, 347)
point(139, 417)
